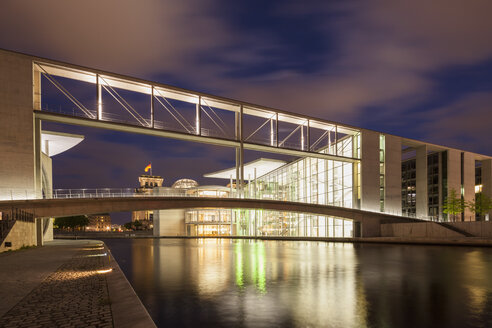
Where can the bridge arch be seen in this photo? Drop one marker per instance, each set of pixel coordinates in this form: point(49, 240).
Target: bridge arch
point(370, 221)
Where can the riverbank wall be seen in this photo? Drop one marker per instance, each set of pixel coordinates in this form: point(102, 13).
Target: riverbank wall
point(91, 289)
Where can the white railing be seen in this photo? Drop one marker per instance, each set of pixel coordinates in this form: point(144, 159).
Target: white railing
point(22, 194)
point(95, 193)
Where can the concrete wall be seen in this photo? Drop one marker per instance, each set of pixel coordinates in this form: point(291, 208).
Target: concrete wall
point(417, 230)
point(454, 175)
point(370, 170)
point(392, 201)
point(476, 228)
point(16, 126)
point(469, 183)
point(47, 174)
point(21, 234)
point(169, 223)
point(421, 197)
point(487, 179)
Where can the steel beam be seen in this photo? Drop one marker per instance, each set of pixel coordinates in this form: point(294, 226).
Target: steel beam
point(73, 120)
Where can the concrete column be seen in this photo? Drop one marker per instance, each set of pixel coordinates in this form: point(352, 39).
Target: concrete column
point(440, 188)
point(392, 164)
point(421, 197)
point(36, 91)
point(47, 175)
point(39, 231)
point(454, 175)
point(469, 183)
point(487, 179)
point(16, 126)
point(48, 229)
point(169, 223)
point(38, 166)
point(369, 170)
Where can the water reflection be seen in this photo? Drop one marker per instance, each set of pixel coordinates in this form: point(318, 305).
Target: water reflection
point(249, 283)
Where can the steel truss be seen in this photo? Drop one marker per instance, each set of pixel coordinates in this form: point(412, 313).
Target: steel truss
point(254, 127)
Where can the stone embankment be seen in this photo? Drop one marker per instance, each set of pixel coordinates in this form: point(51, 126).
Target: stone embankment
point(67, 284)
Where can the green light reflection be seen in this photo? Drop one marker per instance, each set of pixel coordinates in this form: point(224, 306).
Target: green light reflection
point(255, 262)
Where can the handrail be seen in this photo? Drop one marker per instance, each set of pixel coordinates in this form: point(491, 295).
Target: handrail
point(87, 193)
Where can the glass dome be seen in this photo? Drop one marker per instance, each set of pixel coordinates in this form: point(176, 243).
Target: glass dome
point(185, 184)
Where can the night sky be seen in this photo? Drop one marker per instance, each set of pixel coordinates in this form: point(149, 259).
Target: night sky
point(418, 69)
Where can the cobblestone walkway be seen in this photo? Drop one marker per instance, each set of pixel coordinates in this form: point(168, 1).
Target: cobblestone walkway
point(76, 295)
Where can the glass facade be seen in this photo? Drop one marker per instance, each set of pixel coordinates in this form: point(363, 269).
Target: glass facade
point(408, 184)
point(312, 180)
point(309, 180)
point(433, 185)
point(382, 155)
point(289, 224)
point(208, 222)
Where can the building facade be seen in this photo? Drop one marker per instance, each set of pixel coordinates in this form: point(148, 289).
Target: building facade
point(147, 184)
point(412, 181)
point(99, 222)
point(335, 164)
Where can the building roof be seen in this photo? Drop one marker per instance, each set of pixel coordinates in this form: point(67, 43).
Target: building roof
point(54, 143)
point(262, 166)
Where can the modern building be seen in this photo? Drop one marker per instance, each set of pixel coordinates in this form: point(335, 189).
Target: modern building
point(99, 222)
point(425, 174)
point(332, 163)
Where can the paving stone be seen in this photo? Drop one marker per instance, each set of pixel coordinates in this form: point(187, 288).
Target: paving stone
point(73, 296)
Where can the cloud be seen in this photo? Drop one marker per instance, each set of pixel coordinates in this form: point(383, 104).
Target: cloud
point(465, 124)
point(127, 36)
point(387, 51)
point(377, 63)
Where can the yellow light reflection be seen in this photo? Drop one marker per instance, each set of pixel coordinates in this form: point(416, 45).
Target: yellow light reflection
point(93, 249)
point(95, 255)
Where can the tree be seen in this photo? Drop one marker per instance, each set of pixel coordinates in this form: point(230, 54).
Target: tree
point(482, 205)
point(453, 204)
point(72, 222)
point(134, 225)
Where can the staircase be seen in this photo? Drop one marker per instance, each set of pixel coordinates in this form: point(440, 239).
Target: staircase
point(8, 219)
point(452, 227)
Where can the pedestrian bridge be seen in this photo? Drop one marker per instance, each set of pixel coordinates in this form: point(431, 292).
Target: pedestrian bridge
point(77, 203)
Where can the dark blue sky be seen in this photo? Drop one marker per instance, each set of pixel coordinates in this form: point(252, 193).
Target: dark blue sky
point(419, 69)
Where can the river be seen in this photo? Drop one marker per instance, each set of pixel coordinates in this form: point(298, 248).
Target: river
point(253, 283)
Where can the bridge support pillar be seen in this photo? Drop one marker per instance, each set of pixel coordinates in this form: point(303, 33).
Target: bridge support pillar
point(48, 229)
point(39, 231)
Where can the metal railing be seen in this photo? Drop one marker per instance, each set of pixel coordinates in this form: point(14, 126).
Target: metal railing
point(88, 193)
point(128, 192)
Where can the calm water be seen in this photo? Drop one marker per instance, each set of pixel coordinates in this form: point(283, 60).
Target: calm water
point(248, 283)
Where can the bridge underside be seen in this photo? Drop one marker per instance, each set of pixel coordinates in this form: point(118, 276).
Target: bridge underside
point(42, 208)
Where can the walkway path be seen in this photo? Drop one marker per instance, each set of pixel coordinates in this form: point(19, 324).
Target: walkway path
point(67, 284)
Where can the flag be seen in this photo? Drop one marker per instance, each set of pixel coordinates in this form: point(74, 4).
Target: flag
point(148, 167)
